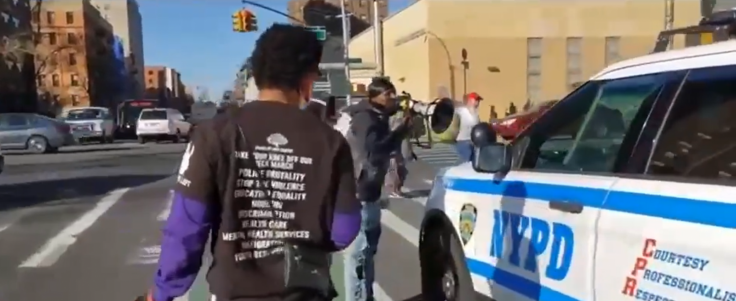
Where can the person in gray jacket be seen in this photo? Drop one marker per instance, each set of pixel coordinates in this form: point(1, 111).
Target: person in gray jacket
point(372, 141)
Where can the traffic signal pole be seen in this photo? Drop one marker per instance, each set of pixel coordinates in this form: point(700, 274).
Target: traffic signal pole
point(261, 6)
point(346, 44)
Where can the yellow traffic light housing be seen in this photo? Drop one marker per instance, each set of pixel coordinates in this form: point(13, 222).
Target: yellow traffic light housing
point(238, 21)
point(250, 20)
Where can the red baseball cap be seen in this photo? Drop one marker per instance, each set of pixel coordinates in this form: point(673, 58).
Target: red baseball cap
point(473, 95)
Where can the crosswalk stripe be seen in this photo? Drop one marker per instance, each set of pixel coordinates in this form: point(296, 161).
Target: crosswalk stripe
point(401, 227)
point(57, 246)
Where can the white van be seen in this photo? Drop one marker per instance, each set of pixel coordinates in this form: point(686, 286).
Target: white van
point(623, 190)
point(162, 124)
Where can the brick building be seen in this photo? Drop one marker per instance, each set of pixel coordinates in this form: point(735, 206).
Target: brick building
point(165, 84)
point(74, 55)
point(324, 13)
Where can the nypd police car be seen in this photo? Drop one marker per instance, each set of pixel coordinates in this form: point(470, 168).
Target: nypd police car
point(624, 190)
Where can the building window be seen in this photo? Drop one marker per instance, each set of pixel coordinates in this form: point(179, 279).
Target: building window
point(574, 58)
point(75, 80)
point(612, 50)
point(534, 69)
point(72, 59)
point(41, 80)
point(71, 38)
point(150, 72)
point(52, 38)
point(50, 17)
point(69, 17)
point(55, 80)
point(361, 3)
point(36, 16)
point(75, 100)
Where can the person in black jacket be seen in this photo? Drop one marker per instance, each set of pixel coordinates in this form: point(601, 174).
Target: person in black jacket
point(260, 178)
point(373, 142)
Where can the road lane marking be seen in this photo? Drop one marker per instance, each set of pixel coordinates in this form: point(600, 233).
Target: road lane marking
point(164, 215)
point(52, 250)
point(401, 227)
point(145, 256)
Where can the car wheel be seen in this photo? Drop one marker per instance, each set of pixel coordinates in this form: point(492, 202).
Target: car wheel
point(141, 140)
point(177, 137)
point(37, 144)
point(103, 138)
point(111, 139)
point(444, 273)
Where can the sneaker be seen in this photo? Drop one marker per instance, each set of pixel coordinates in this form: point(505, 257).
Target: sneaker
point(395, 195)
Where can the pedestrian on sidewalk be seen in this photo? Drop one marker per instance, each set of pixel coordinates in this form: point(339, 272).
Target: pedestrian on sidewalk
point(373, 141)
point(468, 114)
point(267, 244)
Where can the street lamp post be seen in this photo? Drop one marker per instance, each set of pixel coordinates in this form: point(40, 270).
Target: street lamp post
point(346, 45)
point(466, 66)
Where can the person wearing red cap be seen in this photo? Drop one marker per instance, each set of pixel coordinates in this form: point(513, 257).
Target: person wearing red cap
point(468, 114)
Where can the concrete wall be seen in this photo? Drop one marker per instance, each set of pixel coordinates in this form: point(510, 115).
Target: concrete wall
point(423, 44)
point(405, 59)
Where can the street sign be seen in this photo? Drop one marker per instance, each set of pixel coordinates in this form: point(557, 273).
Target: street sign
point(320, 31)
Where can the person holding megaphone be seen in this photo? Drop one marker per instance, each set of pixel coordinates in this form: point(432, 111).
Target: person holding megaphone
point(373, 141)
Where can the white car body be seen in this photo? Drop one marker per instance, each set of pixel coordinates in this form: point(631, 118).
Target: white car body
point(90, 123)
point(542, 232)
point(172, 124)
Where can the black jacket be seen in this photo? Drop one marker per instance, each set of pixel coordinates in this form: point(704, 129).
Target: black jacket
point(372, 143)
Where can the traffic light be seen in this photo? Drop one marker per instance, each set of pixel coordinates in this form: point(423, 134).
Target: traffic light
point(238, 21)
point(250, 20)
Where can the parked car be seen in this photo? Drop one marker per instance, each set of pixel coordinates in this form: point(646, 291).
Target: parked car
point(36, 133)
point(162, 124)
point(90, 124)
point(512, 125)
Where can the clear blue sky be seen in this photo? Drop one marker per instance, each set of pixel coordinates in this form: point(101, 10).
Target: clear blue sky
point(195, 37)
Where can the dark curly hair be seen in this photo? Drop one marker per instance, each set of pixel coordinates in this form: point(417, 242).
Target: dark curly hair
point(284, 55)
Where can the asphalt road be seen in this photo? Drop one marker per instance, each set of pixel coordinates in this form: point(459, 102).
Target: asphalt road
point(85, 224)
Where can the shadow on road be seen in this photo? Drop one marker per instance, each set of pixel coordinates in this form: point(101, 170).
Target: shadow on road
point(15, 196)
point(75, 150)
point(417, 193)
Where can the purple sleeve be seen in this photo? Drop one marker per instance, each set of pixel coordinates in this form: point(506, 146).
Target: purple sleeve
point(184, 238)
point(345, 227)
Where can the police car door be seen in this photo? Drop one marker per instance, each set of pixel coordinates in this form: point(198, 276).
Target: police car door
point(668, 235)
point(542, 223)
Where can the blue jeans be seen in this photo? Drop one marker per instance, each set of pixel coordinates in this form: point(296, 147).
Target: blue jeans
point(359, 266)
point(464, 150)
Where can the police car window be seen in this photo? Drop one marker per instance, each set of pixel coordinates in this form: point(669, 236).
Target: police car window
point(591, 140)
point(596, 147)
point(697, 138)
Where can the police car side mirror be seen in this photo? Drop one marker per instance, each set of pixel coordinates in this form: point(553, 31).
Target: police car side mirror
point(490, 156)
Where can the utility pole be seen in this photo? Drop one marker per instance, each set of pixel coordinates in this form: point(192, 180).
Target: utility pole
point(346, 44)
point(378, 38)
point(669, 18)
